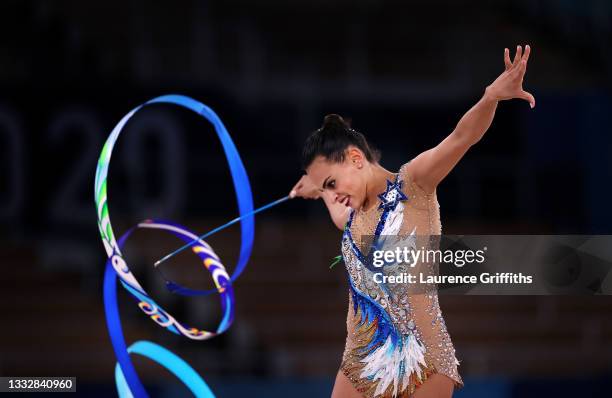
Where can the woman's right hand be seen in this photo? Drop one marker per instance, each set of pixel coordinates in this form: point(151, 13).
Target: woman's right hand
point(305, 189)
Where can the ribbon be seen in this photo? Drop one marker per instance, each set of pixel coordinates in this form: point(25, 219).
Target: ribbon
point(117, 268)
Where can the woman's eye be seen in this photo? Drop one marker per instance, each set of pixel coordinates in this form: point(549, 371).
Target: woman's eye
point(331, 184)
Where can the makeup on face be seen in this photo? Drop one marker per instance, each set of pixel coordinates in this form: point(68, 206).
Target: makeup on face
point(330, 183)
point(327, 173)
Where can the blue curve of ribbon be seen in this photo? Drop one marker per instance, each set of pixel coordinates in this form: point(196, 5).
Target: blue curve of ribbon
point(244, 196)
point(128, 383)
point(170, 361)
point(126, 378)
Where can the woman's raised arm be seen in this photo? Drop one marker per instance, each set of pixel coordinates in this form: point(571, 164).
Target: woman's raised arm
point(431, 166)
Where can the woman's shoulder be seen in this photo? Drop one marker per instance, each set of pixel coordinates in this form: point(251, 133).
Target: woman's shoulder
point(407, 176)
point(406, 173)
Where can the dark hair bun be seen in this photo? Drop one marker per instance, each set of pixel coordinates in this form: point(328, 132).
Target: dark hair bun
point(332, 140)
point(334, 120)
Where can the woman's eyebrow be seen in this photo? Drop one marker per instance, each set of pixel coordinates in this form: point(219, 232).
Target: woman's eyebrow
point(325, 182)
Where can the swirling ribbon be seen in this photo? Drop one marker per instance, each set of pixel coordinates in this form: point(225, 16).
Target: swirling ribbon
point(128, 383)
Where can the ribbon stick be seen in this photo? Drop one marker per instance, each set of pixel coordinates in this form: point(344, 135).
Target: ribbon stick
point(214, 231)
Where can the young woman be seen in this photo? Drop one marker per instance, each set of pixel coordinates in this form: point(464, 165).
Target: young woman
point(397, 344)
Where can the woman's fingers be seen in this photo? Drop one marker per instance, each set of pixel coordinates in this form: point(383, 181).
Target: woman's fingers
point(507, 62)
point(304, 189)
point(527, 52)
point(520, 70)
point(511, 81)
point(517, 56)
point(525, 95)
point(296, 188)
point(528, 97)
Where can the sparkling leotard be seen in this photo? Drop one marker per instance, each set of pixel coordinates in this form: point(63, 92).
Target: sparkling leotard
point(396, 338)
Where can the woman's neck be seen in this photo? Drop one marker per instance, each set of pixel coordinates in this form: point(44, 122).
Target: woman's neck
point(376, 184)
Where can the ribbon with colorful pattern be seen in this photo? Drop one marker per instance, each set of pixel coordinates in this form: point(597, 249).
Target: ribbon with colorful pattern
point(128, 383)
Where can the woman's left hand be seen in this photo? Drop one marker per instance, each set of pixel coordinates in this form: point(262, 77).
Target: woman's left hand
point(510, 83)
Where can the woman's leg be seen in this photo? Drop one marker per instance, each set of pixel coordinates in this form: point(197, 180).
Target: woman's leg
point(343, 387)
point(436, 386)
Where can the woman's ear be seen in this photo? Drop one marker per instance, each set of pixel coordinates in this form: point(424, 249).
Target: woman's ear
point(355, 156)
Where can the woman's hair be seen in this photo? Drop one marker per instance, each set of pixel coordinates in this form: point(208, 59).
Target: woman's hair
point(332, 140)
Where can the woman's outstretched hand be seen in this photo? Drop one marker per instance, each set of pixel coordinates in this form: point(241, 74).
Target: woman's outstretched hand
point(510, 83)
point(305, 189)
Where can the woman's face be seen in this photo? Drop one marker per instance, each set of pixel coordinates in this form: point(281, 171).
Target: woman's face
point(346, 181)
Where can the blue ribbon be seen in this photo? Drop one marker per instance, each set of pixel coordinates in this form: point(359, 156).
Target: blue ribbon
point(244, 196)
point(128, 383)
point(126, 378)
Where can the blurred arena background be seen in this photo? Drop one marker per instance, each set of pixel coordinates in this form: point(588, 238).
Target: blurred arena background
point(404, 72)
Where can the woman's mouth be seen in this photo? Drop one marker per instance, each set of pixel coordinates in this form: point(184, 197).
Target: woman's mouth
point(346, 201)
